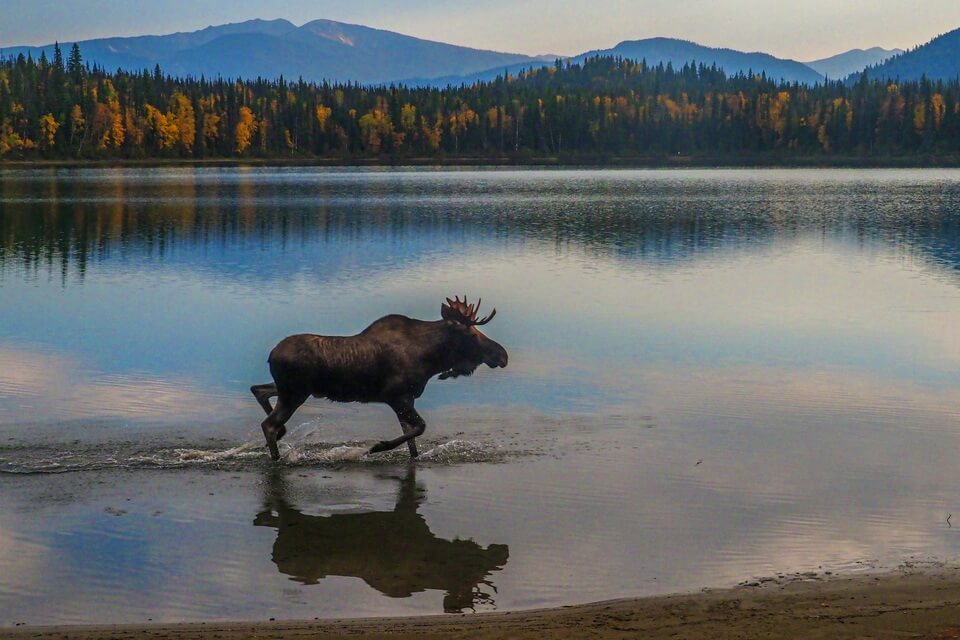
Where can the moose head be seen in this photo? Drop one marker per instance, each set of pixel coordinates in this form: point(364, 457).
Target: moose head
point(471, 345)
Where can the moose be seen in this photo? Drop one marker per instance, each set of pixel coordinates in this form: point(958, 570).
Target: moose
point(390, 361)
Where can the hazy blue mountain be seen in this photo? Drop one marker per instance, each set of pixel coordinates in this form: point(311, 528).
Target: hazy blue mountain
point(137, 52)
point(854, 61)
point(657, 50)
point(939, 59)
point(678, 52)
point(482, 76)
point(318, 50)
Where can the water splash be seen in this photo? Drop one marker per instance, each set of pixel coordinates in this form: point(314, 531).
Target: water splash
point(228, 456)
point(342, 453)
point(460, 451)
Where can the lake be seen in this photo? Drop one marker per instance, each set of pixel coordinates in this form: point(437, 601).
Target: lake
point(714, 375)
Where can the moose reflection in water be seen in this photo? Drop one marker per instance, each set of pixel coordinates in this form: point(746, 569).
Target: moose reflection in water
point(392, 551)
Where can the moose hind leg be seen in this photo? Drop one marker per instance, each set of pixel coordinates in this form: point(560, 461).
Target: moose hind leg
point(411, 423)
point(274, 427)
point(412, 442)
point(263, 393)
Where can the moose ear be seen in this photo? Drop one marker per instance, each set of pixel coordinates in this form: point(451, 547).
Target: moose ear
point(447, 313)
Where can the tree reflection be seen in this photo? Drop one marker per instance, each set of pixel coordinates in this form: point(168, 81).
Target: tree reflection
point(233, 218)
point(395, 552)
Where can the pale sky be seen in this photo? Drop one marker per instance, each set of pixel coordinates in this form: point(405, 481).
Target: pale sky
point(802, 30)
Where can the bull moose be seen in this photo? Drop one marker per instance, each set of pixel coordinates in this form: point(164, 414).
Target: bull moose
point(390, 361)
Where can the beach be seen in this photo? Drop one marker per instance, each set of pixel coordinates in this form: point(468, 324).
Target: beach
point(901, 604)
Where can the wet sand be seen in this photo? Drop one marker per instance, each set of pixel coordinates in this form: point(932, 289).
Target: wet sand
point(904, 604)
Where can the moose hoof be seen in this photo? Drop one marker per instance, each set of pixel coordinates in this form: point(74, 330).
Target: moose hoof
point(274, 451)
point(380, 446)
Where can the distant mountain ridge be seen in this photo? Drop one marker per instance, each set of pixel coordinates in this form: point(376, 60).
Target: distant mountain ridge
point(678, 52)
point(938, 59)
point(327, 50)
point(666, 51)
point(843, 64)
point(318, 50)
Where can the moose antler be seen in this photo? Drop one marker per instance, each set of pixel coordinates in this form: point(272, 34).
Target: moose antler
point(460, 311)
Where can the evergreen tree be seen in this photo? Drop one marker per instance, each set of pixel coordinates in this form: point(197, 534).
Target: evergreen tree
point(75, 64)
point(57, 57)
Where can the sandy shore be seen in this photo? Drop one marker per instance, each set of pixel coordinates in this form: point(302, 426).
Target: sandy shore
point(905, 604)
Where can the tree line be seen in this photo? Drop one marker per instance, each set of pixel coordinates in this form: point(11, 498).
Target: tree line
point(604, 107)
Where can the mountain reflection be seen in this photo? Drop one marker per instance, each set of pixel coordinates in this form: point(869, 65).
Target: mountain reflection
point(392, 551)
point(229, 220)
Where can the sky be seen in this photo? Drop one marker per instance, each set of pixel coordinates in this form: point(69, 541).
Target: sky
point(800, 30)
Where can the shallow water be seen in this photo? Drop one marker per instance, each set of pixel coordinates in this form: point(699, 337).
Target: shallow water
point(713, 375)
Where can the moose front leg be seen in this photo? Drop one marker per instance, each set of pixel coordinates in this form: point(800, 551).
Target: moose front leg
point(412, 425)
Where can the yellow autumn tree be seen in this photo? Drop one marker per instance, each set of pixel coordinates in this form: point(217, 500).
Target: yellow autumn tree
point(48, 131)
point(101, 121)
point(376, 127)
point(77, 123)
point(458, 121)
point(106, 128)
point(408, 117)
point(182, 116)
point(323, 114)
point(118, 132)
point(823, 137)
point(493, 117)
point(10, 140)
point(939, 108)
point(244, 130)
point(432, 131)
point(777, 110)
point(211, 127)
point(210, 121)
point(164, 132)
point(920, 117)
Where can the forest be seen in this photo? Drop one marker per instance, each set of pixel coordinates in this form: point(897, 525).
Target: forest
point(64, 109)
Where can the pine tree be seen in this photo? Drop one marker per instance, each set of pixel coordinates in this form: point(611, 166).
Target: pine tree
point(57, 57)
point(75, 64)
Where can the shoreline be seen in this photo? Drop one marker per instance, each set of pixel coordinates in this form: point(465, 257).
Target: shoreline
point(580, 161)
point(906, 602)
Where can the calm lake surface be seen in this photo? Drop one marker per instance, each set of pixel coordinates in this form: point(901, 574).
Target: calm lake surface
point(713, 375)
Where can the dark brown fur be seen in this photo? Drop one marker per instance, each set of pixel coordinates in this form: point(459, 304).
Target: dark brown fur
point(390, 361)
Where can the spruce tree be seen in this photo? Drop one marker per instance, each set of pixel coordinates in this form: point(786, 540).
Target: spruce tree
point(75, 64)
point(57, 57)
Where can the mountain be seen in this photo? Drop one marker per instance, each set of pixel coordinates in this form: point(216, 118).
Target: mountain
point(678, 52)
point(318, 50)
point(655, 51)
point(481, 76)
point(939, 59)
point(854, 61)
